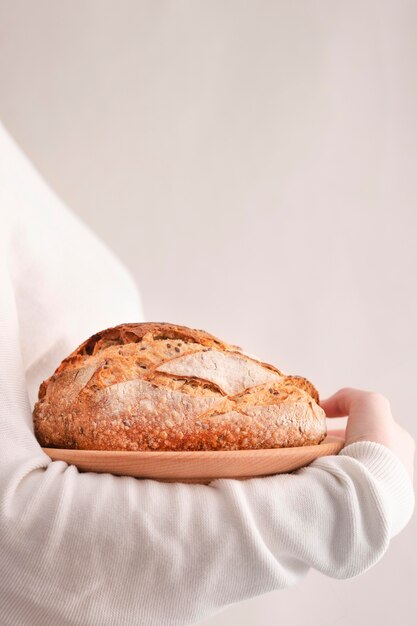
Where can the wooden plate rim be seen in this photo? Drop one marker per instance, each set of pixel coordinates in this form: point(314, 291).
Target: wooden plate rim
point(329, 441)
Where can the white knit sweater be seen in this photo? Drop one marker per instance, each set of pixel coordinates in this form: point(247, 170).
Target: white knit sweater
point(99, 550)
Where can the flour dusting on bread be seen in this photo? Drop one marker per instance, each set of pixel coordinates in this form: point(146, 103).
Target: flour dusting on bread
point(160, 386)
point(231, 371)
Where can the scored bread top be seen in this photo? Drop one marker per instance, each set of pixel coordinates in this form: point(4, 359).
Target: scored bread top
point(168, 376)
point(133, 333)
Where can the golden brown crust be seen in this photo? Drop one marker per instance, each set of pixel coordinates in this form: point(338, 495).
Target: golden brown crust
point(133, 333)
point(303, 383)
point(160, 386)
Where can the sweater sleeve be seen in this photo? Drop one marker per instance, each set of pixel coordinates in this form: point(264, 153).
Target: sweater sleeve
point(101, 549)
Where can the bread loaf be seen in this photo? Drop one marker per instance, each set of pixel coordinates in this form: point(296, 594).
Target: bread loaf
point(160, 386)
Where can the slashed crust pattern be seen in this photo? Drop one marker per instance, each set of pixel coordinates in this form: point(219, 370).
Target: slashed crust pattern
point(160, 386)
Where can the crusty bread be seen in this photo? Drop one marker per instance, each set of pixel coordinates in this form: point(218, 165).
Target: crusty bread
point(160, 386)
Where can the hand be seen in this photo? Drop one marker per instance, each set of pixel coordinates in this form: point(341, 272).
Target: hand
point(370, 419)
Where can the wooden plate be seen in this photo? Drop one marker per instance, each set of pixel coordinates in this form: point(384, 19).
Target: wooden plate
point(196, 467)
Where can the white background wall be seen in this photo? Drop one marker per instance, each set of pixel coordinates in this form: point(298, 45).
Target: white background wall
point(254, 164)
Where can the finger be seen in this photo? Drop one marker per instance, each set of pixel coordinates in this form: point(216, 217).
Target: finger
point(355, 403)
point(338, 405)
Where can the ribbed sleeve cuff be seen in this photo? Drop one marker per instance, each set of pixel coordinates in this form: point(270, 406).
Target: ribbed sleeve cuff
point(392, 477)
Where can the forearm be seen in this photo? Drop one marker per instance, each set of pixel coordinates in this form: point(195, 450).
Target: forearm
point(175, 553)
